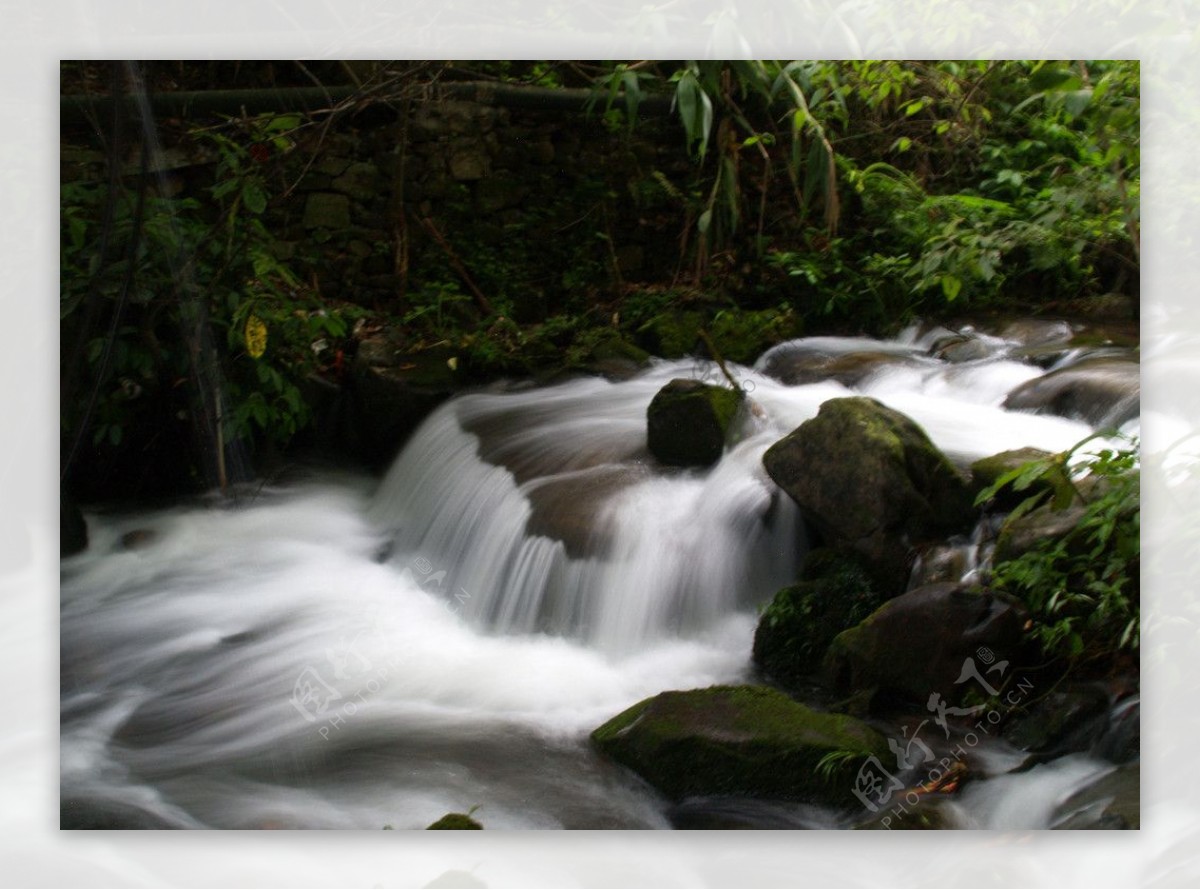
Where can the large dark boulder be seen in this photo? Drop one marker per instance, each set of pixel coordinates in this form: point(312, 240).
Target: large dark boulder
point(835, 592)
point(868, 477)
point(739, 740)
point(687, 422)
point(916, 644)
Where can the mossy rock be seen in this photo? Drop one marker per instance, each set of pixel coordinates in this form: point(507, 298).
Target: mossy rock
point(836, 592)
point(672, 334)
point(455, 822)
point(743, 336)
point(739, 740)
point(868, 477)
point(688, 421)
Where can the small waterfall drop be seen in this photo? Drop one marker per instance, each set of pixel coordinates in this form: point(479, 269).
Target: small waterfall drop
point(350, 652)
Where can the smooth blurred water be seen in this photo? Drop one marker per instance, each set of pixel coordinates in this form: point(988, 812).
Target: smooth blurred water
point(348, 652)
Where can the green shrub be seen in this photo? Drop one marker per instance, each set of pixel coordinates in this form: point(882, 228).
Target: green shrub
point(1082, 588)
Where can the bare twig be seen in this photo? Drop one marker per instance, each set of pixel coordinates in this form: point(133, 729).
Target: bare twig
point(480, 299)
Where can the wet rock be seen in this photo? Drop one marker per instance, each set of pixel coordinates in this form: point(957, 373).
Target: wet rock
point(1099, 391)
point(1121, 741)
point(795, 630)
point(940, 563)
point(388, 403)
point(970, 347)
point(869, 478)
point(1030, 332)
point(687, 422)
point(1111, 802)
point(800, 365)
point(568, 507)
point(1061, 722)
point(916, 644)
point(738, 740)
point(455, 822)
point(1026, 532)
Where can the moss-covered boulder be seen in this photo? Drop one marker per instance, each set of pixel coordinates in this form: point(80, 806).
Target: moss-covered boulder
point(835, 592)
point(868, 477)
point(687, 422)
point(915, 645)
point(672, 334)
point(455, 822)
point(740, 740)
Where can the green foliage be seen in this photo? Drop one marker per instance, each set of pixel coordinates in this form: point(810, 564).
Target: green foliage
point(1083, 588)
point(1004, 181)
point(173, 264)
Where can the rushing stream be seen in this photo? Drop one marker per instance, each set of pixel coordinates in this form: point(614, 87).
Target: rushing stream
point(345, 652)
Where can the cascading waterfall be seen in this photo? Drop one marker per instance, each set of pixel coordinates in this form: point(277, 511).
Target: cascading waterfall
point(343, 653)
point(638, 555)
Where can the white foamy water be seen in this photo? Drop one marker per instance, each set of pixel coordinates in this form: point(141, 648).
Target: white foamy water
point(349, 652)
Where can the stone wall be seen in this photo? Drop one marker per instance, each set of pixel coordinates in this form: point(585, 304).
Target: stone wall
point(537, 206)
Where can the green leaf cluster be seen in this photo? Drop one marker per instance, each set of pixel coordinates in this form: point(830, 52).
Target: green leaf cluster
point(1083, 588)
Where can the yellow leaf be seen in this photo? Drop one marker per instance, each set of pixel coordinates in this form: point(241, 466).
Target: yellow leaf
point(256, 336)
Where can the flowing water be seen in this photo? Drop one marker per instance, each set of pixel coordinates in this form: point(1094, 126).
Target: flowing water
point(345, 652)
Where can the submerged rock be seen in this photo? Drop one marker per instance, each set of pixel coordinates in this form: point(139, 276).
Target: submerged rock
point(868, 477)
point(1100, 391)
point(688, 421)
point(568, 507)
point(739, 740)
point(795, 630)
point(915, 645)
point(798, 364)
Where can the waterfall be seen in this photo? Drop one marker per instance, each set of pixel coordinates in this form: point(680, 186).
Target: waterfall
point(351, 652)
